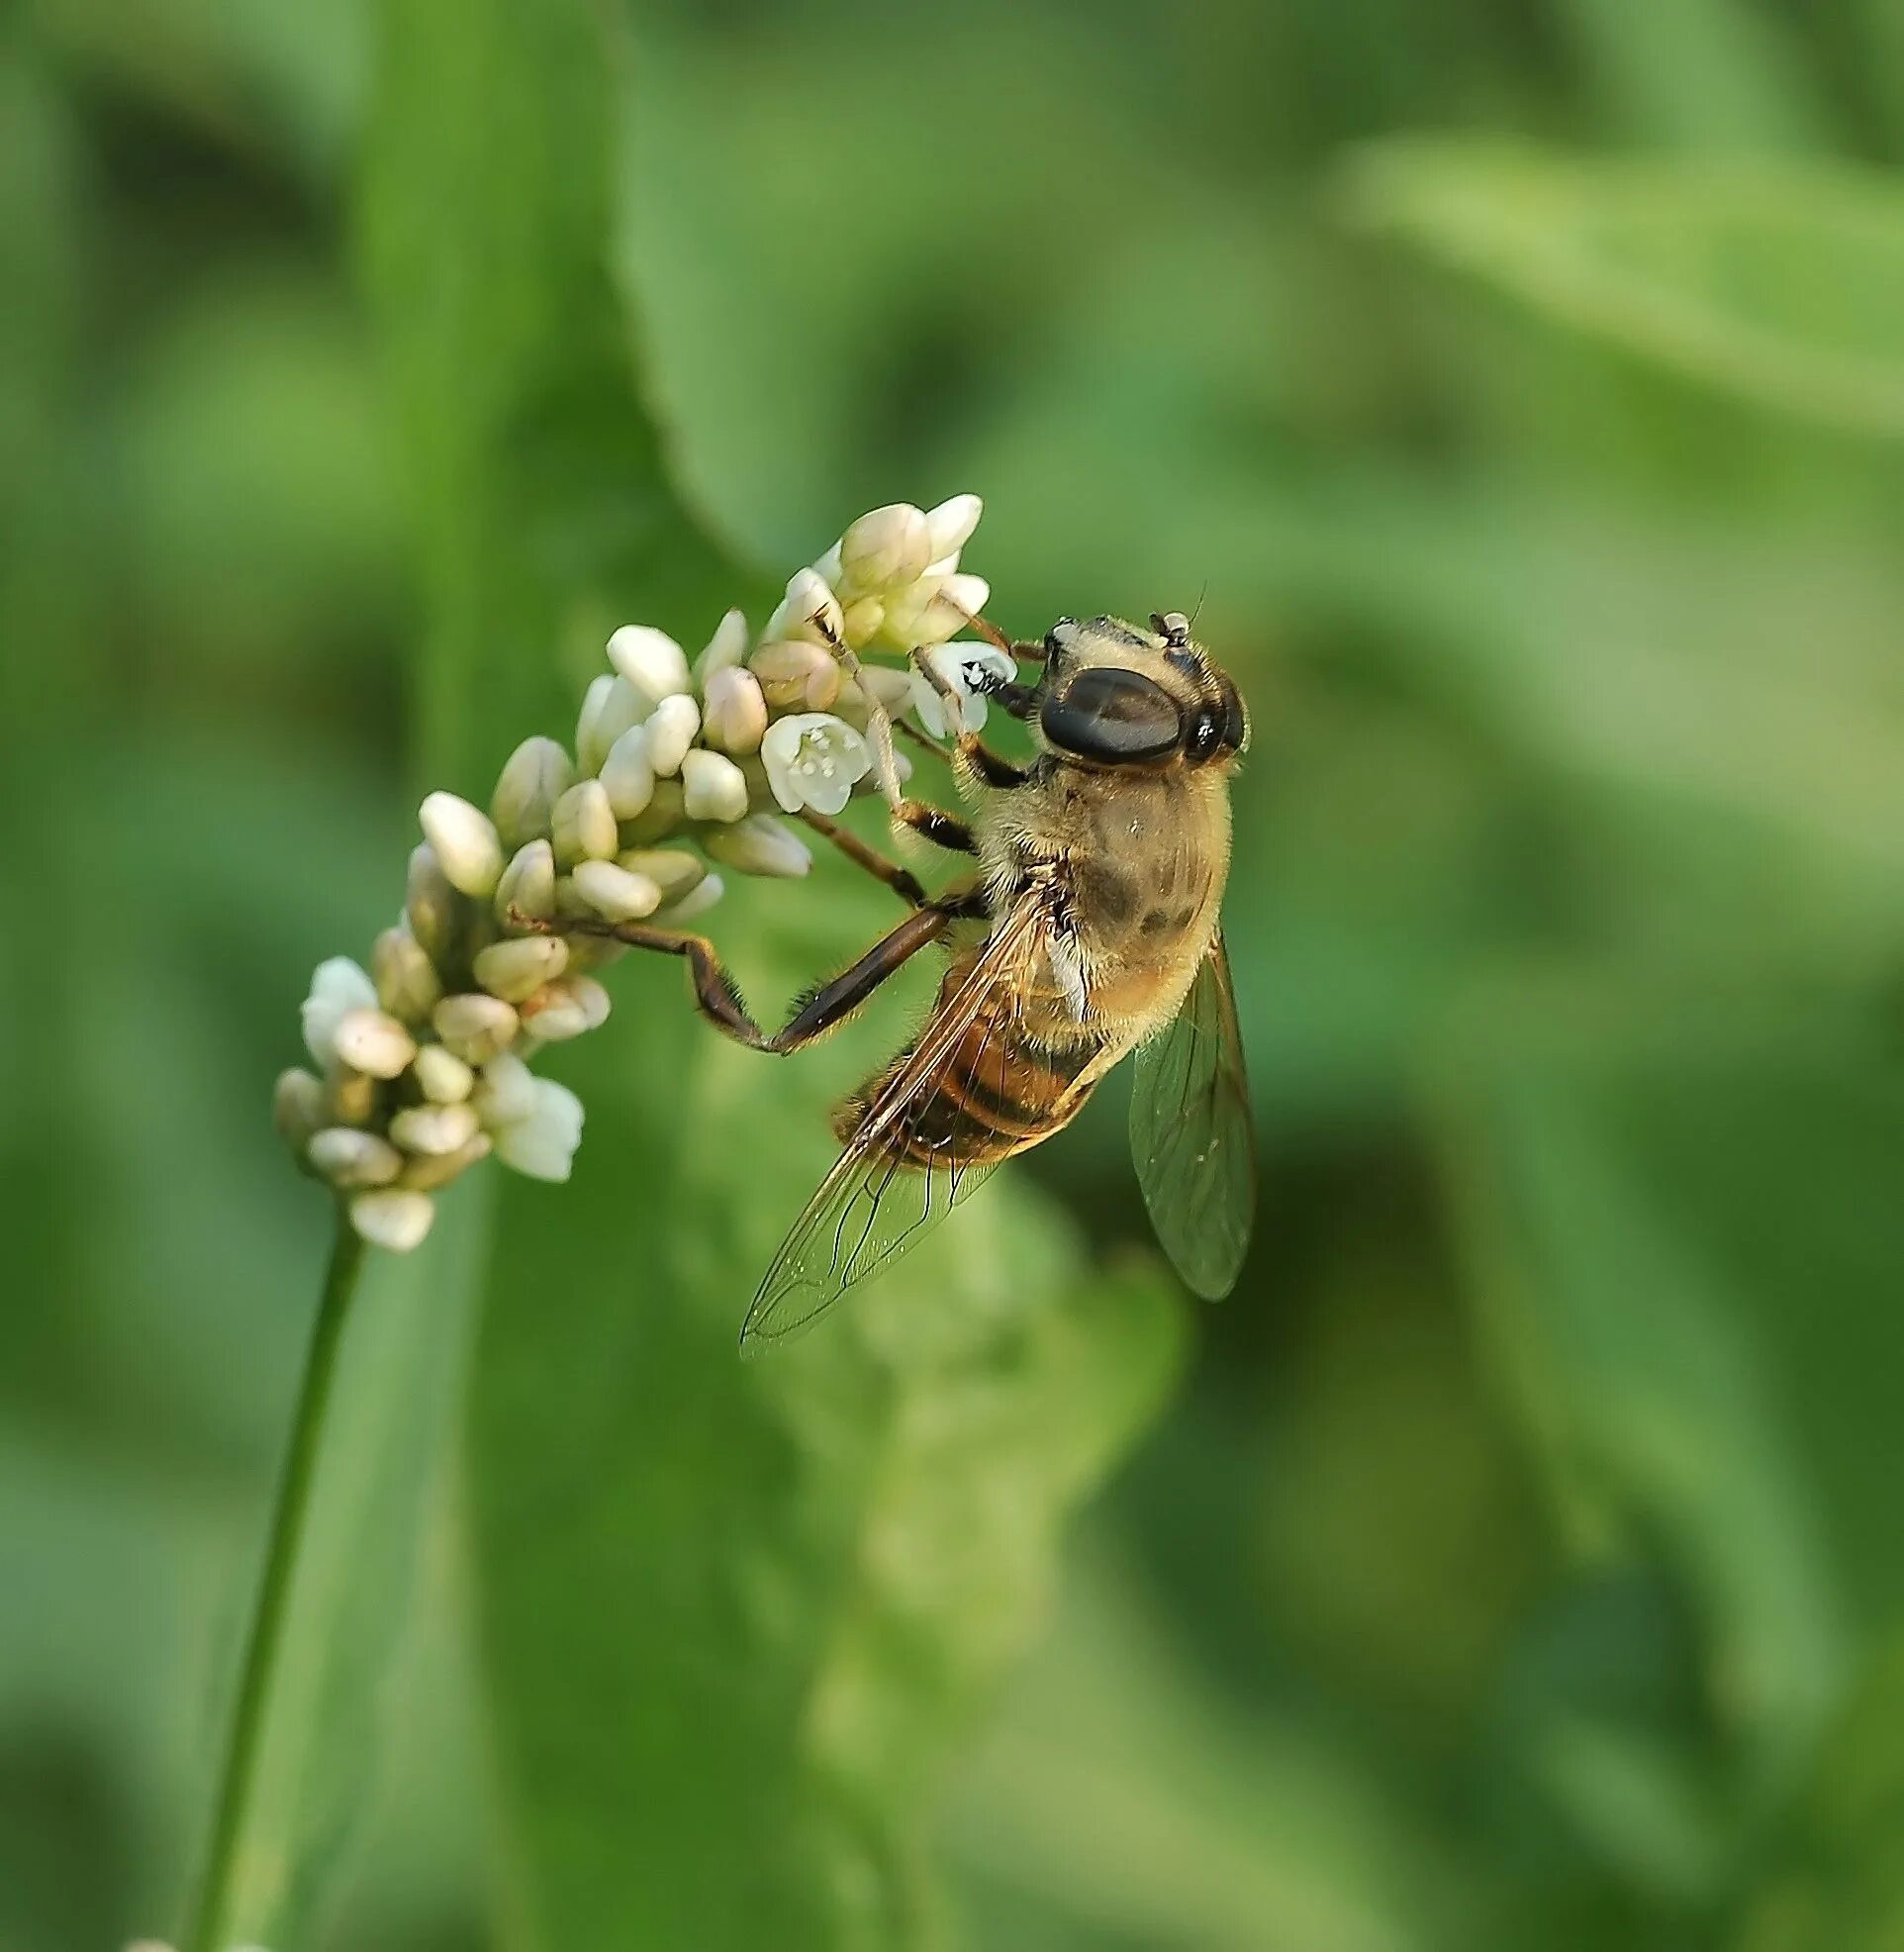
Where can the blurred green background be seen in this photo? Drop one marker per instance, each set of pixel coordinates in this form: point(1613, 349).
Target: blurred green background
point(1516, 1558)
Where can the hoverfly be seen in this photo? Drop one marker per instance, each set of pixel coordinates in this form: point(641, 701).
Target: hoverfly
point(1090, 929)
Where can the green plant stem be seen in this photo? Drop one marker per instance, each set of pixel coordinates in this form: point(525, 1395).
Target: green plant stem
point(238, 1776)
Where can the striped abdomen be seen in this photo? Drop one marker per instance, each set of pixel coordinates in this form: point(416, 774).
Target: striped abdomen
point(995, 1095)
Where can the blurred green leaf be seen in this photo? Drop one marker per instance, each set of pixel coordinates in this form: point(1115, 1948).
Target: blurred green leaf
point(1129, 1803)
point(1835, 1880)
point(283, 82)
point(1684, 1318)
point(1784, 285)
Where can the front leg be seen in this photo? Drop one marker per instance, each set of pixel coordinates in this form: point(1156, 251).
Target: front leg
point(718, 997)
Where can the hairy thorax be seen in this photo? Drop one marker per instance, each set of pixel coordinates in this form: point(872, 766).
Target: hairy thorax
point(1135, 863)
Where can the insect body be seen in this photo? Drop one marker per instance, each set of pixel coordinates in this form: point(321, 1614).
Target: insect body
point(1090, 930)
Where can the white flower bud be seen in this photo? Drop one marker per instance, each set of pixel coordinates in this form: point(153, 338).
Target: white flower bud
point(443, 1076)
point(542, 1143)
point(713, 787)
point(627, 777)
point(338, 987)
point(616, 893)
point(349, 1097)
point(519, 966)
point(476, 1028)
point(392, 1218)
point(813, 760)
point(951, 609)
point(736, 710)
point(671, 732)
point(434, 1128)
point(611, 707)
point(893, 689)
point(565, 1009)
point(426, 1172)
point(650, 660)
point(466, 843)
point(949, 527)
point(697, 900)
point(862, 621)
point(408, 985)
point(432, 905)
point(828, 568)
point(796, 677)
point(527, 886)
point(584, 826)
point(537, 775)
point(374, 1042)
point(297, 1108)
point(348, 1158)
point(808, 612)
point(725, 649)
point(760, 845)
point(673, 870)
point(504, 1091)
point(658, 819)
point(890, 546)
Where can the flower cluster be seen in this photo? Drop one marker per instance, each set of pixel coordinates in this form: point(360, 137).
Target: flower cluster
point(420, 1063)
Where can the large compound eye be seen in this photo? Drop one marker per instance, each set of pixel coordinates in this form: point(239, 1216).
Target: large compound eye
point(1205, 735)
point(1112, 716)
point(1236, 723)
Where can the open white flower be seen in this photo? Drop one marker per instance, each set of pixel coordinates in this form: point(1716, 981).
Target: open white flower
point(542, 1145)
point(972, 670)
point(338, 987)
point(814, 759)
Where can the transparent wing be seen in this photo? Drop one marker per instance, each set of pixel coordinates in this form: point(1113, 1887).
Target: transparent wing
point(871, 1207)
point(1190, 1134)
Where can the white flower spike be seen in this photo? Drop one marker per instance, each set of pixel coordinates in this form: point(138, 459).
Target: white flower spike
point(814, 759)
point(418, 1074)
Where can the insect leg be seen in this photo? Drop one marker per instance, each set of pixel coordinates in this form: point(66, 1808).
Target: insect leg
point(1029, 650)
point(720, 1001)
point(879, 726)
point(943, 830)
point(901, 881)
